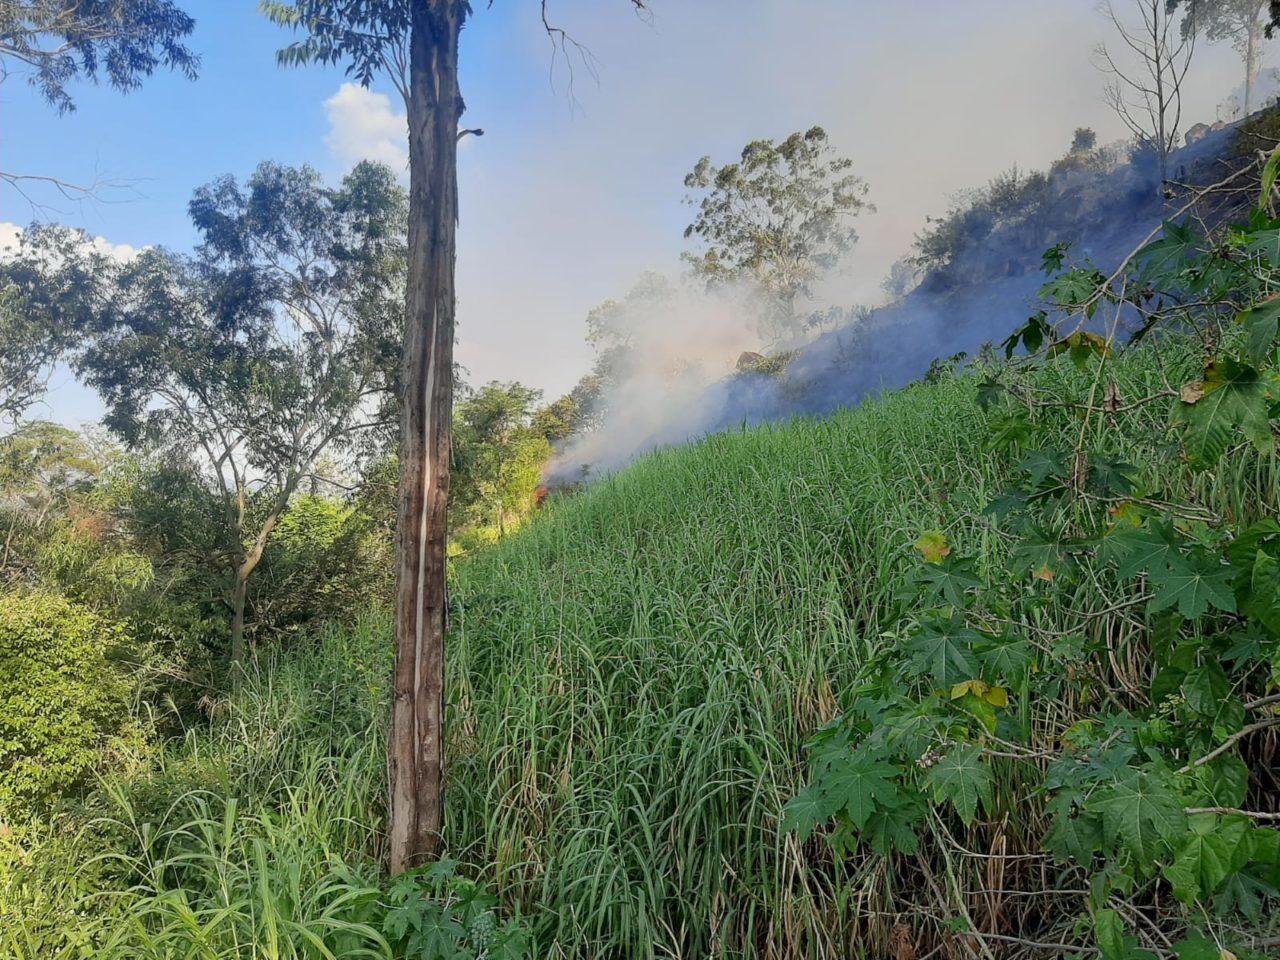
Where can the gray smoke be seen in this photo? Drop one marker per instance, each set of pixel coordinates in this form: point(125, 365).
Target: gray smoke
point(987, 290)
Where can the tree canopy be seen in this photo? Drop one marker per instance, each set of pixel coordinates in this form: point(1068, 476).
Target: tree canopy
point(60, 41)
point(1242, 22)
point(776, 219)
point(276, 344)
point(499, 452)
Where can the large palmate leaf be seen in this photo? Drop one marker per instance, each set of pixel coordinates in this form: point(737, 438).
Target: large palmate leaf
point(807, 810)
point(1266, 244)
point(1215, 850)
point(947, 578)
point(1229, 403)
point(1259, 591)
point(1074, 837)
point(943, 652)
point(1140, 812)
point(862, 784)
point(963, 778)
point(1073, 287)
point(1260, 323)
point(1163, 259)
point(856, 784)
point(894, 828)
point(1005, 656)
point(1193, 589)
point(1143, 549)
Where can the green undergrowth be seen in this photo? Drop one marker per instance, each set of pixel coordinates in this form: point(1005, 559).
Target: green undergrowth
point(633, 678)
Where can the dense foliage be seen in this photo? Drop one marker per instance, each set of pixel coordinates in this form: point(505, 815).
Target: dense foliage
point(1165, 783)
point(985, 668)
point(636, 674)
point(775, 220)
point(61, 42)
point(64, 700)
point(274, 347)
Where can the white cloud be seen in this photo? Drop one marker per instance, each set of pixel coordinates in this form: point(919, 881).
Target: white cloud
point(11, 235)
point(363, 125)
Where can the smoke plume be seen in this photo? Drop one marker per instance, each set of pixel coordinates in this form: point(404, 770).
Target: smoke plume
point(1102, 208)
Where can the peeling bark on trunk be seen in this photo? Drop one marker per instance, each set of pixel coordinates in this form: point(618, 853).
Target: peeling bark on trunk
point(415, 749)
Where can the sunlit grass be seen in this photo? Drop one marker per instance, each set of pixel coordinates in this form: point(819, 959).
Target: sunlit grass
point(632, 679)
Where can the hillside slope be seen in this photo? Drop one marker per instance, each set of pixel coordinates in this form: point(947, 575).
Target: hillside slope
point(633, 677)
point(637, 672)
point(988, 285)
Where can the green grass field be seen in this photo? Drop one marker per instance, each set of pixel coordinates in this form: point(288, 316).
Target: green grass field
point(632, 679)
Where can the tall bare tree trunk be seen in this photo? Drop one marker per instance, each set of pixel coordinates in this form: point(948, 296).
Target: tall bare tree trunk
point(415, 750)
point(1252, 63)
point(249, 563)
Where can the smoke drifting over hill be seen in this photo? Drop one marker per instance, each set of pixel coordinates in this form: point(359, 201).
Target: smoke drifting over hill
point(988, 288)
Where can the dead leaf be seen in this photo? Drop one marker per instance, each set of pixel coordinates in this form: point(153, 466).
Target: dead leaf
point(1193, 392)
point(901, 943)
point(1044, 573)
point(1111, 399)
point(933, 546)
point(977, 687)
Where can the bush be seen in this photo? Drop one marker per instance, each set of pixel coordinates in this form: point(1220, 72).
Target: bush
point(327, 561)
point(64, 701)
point(1260, 132)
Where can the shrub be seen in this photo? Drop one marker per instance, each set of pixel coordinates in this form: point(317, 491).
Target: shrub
point(1260, 132)
point(64, 701)
point(327, 560)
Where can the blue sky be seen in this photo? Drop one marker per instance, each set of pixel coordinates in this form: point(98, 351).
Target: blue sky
point(565, 203)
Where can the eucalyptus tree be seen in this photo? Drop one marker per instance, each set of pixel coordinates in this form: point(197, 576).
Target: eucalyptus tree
point(39, 312)
point(27, 352)
point(499, 452)
point(775, 219)
point(1242, 22)
point(57, 42)
point(273, 347)
point(414, 44)
point(60, 41)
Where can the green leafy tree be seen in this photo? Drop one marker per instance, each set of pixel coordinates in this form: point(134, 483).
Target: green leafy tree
point(564, 416)
point(415, 45)
point(776, 219)
point(27, 352)
point(42, 465)
point(499, 453)
point(61, 41)
point(36, 326)
point(271, 348)
point(1241, 22)
point(58, 42)
point(615, 331)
